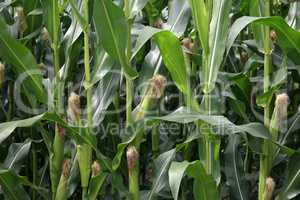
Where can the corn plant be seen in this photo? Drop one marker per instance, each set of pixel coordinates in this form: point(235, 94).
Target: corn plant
point(149, 99)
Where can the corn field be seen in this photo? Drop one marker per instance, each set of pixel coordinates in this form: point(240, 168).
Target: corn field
point(149, 99)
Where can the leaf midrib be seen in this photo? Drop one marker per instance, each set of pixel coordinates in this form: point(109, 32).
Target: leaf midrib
point(15, 157)
point(20, 63)
point(212, 59)
point(112, 33)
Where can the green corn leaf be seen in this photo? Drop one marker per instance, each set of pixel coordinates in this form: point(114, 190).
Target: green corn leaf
point(51, 18)
point(22, 62)
point(257, 9)
point(221, 124)
point(173, 58)
point(219, 28)
point(71, 43)
point(16, 155)
point(8, 127)
point(112, 31)
point(80, 135)
point(135, 130)
point(161, 165)
point(291, 185)
point(12, 185)
point(143, 37)
point(95, 185)
point(33, 11)
point(234, 169)
point(205, 188)
point(288, 38)
point(135, 6)
point(201, 19)
point(83, 23)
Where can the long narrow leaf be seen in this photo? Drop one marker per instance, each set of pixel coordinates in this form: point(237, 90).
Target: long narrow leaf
point(291, 185)
point(51, 15)
point(219, 28)
point(173, 58)
point(221, 124)
point(162, 164)
point(112, 30)
point(234, 169)
point(288, 38)
point(22, 62)
point(205, 187)
point(201, 19)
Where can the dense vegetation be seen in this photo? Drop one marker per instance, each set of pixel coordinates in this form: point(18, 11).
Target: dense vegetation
point(149, 99)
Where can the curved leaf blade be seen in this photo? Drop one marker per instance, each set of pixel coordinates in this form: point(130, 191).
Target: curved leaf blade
point(112, 30)
point(205, 187)
point(201, 18)
point(288, 38)
point(234, 169)
point(219, 28)
point(291, 185)
point(220, 123)
point(16, 154)
point(22, 62)
point(161, 164)
point(173, 58)
point(51, 15)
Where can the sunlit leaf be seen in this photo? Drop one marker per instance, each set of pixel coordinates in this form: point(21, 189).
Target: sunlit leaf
point(112, 31)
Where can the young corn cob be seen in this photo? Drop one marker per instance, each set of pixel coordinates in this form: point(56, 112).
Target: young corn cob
point(270, 186)
point(74, 107)
point(21, 20)
point(154, 92)
point(57, 157)
point(62, 188)
point(278, 120)
point(269, 149)
point(84, 160)
point(96, 169)
point(152, 95)
point(133, 171)
point(279, 114)
point(97, 180)
point(84, 151)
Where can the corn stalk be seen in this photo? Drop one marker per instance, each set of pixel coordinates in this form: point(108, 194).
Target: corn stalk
point(265, 163)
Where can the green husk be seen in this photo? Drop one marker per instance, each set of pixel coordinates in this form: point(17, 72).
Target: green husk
point(62, 189)
point(97, 179)
point(133, 172)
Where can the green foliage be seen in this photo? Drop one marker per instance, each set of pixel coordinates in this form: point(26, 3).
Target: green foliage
point(204, 131)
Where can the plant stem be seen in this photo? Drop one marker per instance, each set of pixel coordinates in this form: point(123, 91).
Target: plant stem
point(265, 164)
point(208, 144)
point(87, 66)
point(58, 144)
point(134, 173)
point(134, 182)
point(84, 150)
